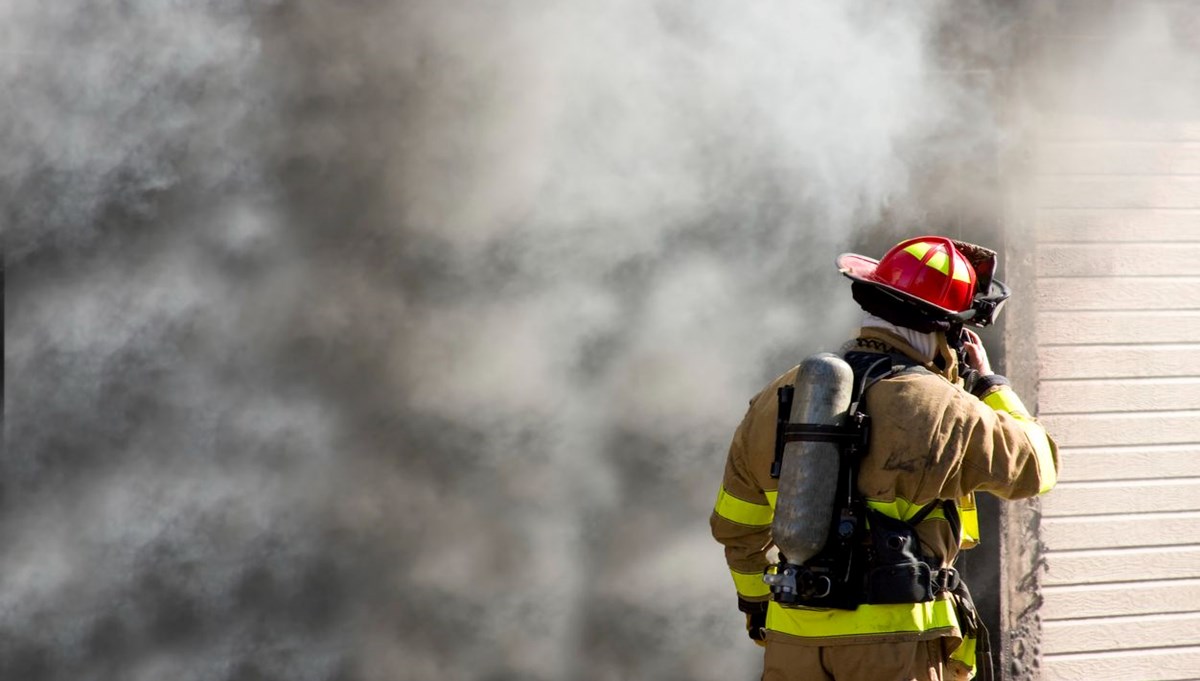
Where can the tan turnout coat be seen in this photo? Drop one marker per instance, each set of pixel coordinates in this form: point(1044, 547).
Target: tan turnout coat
point(930, 439)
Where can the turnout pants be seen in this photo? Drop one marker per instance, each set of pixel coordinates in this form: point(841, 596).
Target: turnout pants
point(909, 661)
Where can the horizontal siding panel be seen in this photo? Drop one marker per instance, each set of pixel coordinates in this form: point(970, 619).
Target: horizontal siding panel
point(1125, 326)
point(1122, 394)
point(1168, 664)
point(1097, 430)
point(1119, 158)
point(1067, 362)
point(1125, 293)
point(1121, 633)
point(1130, 463)
point(1098, 532)
point(1081, 127)
point(1122, 260)
point(1121, 496)
point(1125, 192)
point(1122, 565)
point(1108, 600)
point(1148, 225)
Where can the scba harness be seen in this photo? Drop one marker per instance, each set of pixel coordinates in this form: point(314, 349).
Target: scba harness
point(868, 557)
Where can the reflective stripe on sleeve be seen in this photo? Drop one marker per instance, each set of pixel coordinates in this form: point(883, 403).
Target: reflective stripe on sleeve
point(1006, 400)
point(750, 586)
point(742, 512)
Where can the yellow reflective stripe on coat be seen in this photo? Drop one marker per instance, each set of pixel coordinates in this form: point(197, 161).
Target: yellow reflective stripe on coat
point(742, 512)
point(968, 513)
point(902, 509)
point(866, 620)
point(750, 585)
point(1006, 400)
point(938, 261)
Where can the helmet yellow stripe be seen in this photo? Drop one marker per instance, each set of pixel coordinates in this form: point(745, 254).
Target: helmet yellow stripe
point(938, 260)
point(918, 249)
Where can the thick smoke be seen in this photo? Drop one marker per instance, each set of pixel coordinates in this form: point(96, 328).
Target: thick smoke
point(402, 340)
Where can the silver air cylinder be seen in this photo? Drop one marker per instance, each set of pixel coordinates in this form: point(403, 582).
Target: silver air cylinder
point(809, 475)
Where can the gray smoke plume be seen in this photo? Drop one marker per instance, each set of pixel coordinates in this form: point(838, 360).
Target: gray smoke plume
point(404, 339)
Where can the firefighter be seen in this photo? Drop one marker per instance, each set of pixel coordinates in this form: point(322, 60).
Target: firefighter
point(942, 427)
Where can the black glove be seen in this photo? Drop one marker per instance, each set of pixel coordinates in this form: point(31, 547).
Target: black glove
point(756, 619)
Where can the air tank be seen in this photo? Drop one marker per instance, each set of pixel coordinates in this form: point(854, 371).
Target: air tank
point(809, 474)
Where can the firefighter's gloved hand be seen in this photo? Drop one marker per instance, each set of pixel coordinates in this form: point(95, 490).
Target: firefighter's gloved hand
point(977, 357)
point(756, 620)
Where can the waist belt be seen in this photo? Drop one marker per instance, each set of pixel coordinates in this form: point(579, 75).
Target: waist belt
point(806, 586)
point(885, 565)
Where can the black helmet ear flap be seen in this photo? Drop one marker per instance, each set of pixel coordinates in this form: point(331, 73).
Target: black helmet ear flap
point(897, 309)
point(987, 305)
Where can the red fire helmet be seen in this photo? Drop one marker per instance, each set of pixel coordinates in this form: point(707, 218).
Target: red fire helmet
point(928, 269)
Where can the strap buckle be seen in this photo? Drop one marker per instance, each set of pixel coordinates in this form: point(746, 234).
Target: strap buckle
point(946, 579)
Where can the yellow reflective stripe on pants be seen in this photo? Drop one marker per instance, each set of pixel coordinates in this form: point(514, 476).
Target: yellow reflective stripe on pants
point(742, 512)
point(751, 585)
point(865, 621)
point(965, 652)
point(1006, 400)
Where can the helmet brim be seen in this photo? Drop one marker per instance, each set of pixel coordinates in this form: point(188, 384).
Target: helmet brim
point(862, 269)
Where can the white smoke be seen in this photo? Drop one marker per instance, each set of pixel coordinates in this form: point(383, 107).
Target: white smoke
point(393, 340)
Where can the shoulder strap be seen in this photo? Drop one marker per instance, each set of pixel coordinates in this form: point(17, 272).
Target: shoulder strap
point(871, 367)
point(868, 368)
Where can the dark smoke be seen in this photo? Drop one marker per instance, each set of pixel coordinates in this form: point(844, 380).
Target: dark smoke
point(400, 340)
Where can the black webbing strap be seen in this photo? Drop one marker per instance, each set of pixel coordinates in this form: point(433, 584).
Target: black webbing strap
point(782, 421)
point(815, 432)
point(973, 625)
point(851, 438)
point(948, 579)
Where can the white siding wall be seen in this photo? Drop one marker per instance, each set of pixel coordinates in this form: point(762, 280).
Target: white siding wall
point(1118, 317)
